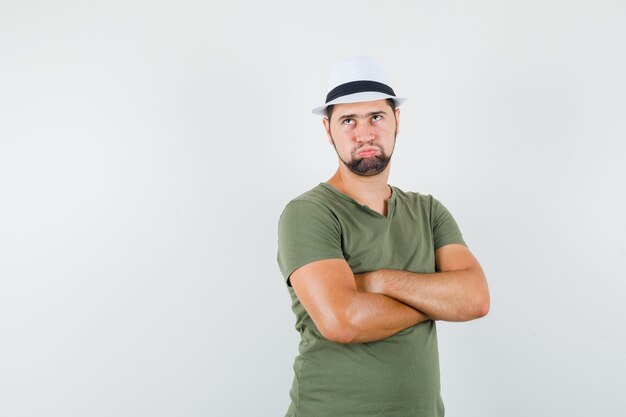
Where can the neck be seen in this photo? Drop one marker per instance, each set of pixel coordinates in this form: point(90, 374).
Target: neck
point(371, 191)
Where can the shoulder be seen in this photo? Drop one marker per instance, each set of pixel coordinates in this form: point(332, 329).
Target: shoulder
point(416, 199)
point(317, 199)
point(314, 197)
point(423, 206)
point(311, 207)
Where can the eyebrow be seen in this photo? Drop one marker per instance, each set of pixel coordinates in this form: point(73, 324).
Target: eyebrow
point(361, 116)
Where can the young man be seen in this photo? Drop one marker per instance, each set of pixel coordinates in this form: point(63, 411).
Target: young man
point(370, 268)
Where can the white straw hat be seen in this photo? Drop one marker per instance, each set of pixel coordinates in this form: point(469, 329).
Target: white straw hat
point(355, 79)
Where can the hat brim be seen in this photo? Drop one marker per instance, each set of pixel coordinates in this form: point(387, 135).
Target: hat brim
point(356, 98)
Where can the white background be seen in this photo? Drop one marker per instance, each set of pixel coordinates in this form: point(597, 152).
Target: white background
point(147, 149)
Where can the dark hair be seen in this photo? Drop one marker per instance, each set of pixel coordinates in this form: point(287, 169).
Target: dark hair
point(390, 101)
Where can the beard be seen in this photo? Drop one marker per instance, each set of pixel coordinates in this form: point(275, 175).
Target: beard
point(367, 167)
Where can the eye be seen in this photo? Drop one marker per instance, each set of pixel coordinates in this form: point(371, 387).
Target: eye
point(347, 121)
point(377, 117)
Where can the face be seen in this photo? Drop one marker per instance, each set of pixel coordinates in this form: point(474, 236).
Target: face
point(364, 135)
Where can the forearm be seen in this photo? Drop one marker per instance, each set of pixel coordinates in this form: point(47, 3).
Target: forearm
point(451, 295)
point(371, 317)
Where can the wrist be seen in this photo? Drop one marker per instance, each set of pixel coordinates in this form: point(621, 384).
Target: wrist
point(379, 283)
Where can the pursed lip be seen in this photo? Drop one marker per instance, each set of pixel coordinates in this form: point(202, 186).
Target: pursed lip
point(367, 150)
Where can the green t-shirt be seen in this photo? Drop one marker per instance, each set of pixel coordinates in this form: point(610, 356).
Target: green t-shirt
point(394, 377)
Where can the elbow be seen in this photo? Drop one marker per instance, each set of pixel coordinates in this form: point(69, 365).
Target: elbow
point(481, 306)
point(468, 313)
point(481, 300)
point(343, 336)
point(339, 330)
point(482, 309)
point(474, 309)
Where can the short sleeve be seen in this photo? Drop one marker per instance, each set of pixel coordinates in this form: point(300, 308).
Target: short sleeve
point(307, 232)
point(445, 229)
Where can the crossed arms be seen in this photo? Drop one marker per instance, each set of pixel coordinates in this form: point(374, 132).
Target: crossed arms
point(349, 308)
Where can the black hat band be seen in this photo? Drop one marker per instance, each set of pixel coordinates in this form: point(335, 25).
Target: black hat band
point(358, 87)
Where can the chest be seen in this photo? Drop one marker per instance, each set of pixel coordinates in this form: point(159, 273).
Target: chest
point(404, 242)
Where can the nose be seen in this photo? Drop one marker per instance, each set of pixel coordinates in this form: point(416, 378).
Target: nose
point(363, 133)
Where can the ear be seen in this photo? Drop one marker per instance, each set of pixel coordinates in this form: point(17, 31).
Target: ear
point(327, 128)
point(397, 120)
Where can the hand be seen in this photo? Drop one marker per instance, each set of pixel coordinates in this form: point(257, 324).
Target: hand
point(368, 281)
